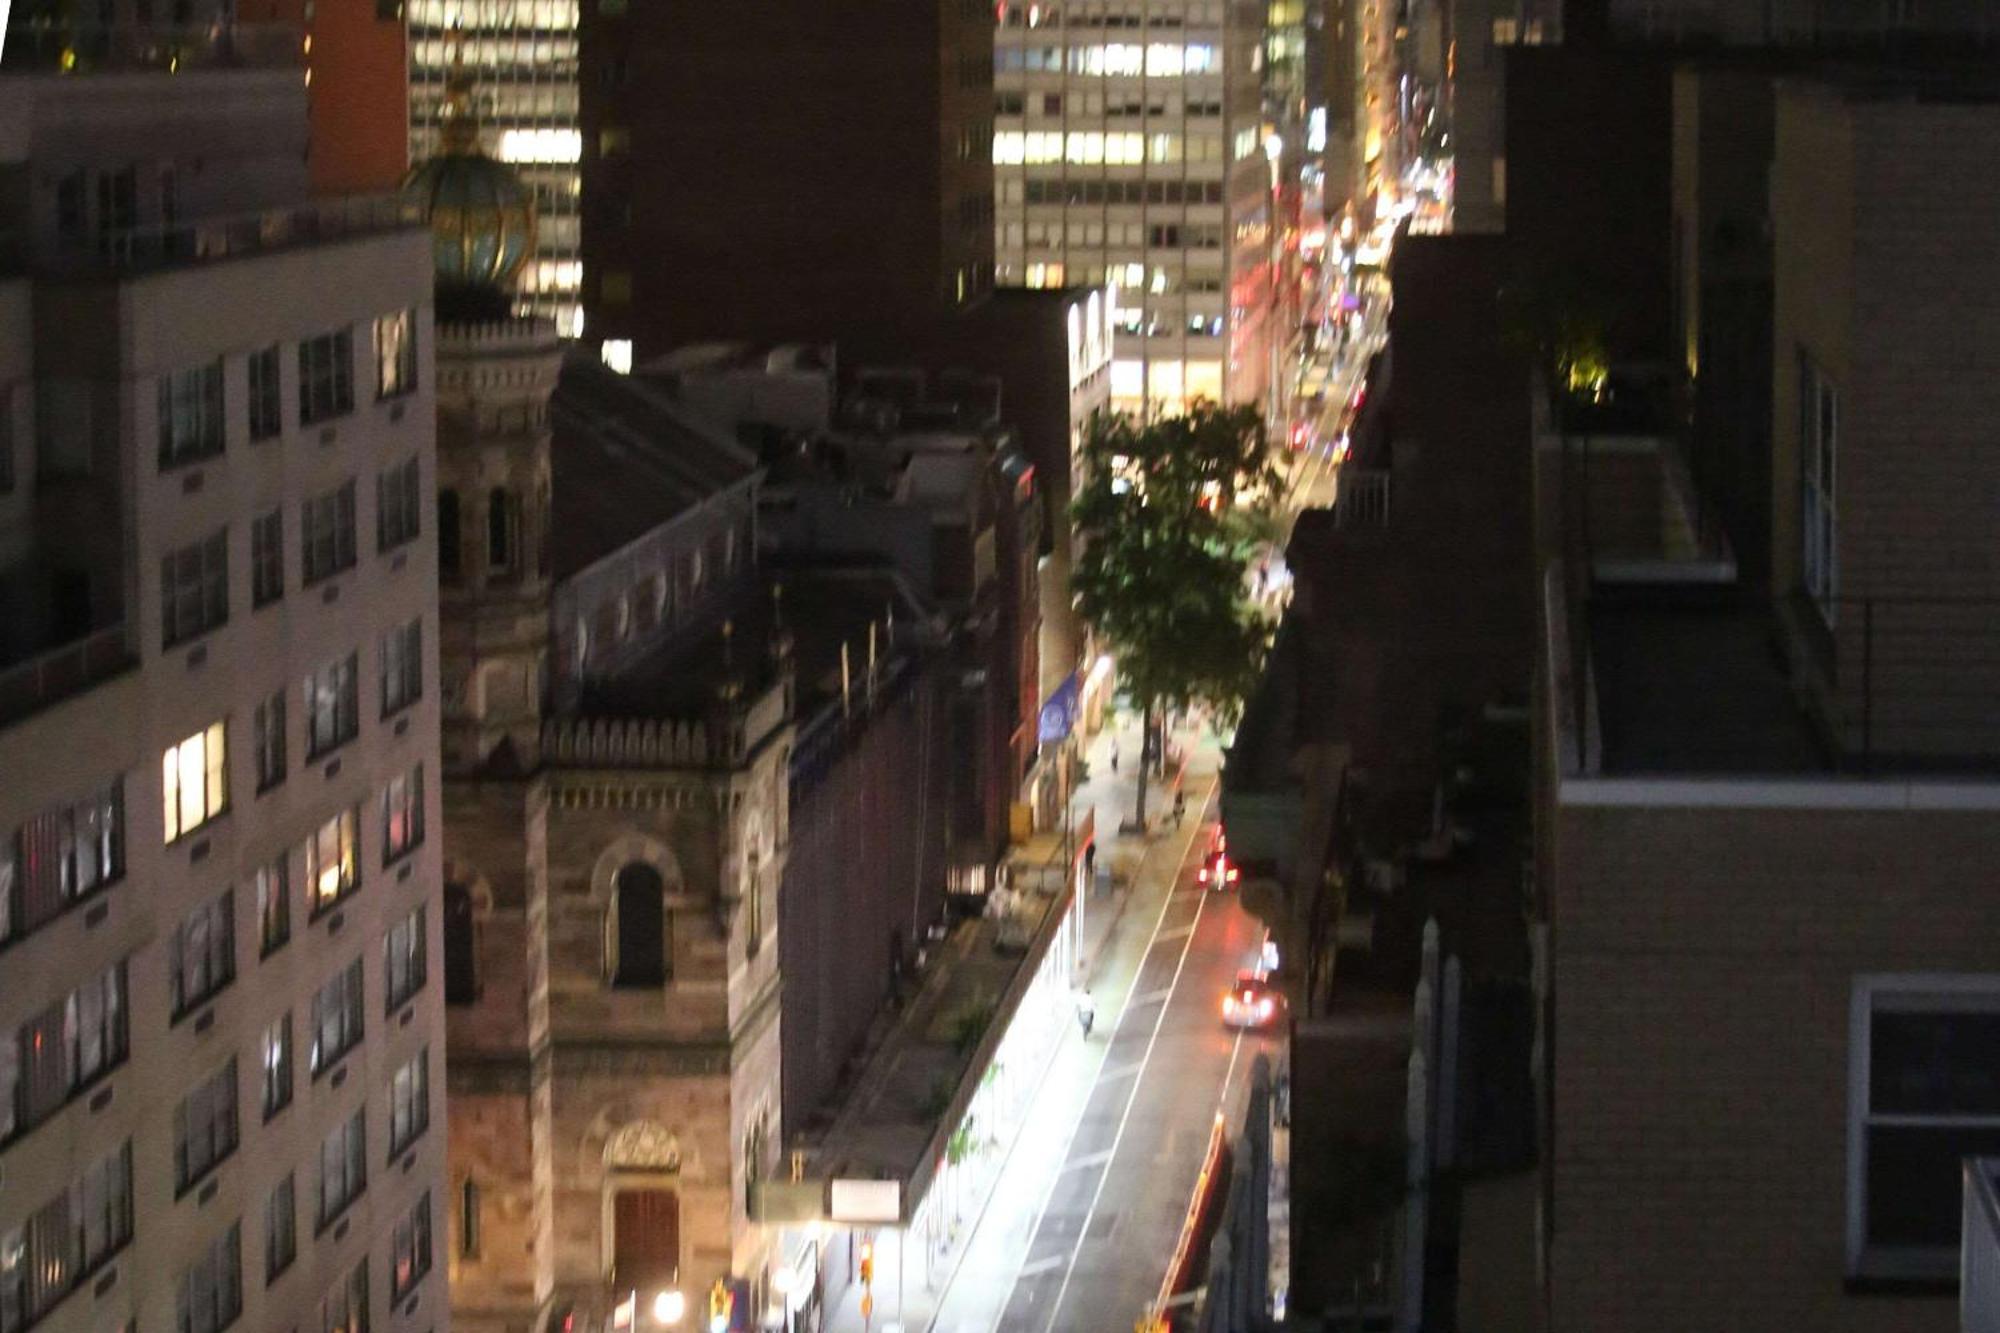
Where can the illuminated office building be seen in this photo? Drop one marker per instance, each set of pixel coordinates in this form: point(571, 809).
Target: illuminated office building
point(522, 58)
point(1128, 147)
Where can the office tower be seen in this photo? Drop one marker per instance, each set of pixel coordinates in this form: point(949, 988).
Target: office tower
point(1128, 147)
point(820, 170)
point(522, 58)
point(218, 718)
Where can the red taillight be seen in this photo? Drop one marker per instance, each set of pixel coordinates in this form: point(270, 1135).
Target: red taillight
point(1202, 875)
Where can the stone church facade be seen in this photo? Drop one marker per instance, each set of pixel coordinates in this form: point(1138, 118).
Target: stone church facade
point(615, 832)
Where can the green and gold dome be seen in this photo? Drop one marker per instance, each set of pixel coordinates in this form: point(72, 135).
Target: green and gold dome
point(482, 214)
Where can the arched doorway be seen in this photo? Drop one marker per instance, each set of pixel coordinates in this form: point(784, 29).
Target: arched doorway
point(645, 1239)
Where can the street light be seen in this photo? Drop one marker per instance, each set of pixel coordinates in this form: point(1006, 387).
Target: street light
point(669, 1307)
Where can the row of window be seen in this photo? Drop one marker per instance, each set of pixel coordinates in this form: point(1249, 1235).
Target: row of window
point(194, 773)
point(60, 857)
point(71, 1236)
point(1069, 192)
point(1154, 60)
point(194, 579)
point(1117, 235)
point(1016, 14)
point(1103, 148)
point(192, 415)
point(1089, 105)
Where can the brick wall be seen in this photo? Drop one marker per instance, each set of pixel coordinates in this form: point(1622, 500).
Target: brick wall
point(1702, 975)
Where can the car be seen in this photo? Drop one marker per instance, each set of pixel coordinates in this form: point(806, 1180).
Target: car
point(1217, 870)
point(1253, 1002)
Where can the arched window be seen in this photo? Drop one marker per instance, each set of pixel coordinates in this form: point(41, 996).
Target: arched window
point(448, 536)
point(503, 530)
point(461, 947)
point(640, 949)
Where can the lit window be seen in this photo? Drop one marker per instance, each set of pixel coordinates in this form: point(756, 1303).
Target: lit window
point(194, 780)
point(396, 354)
point(402, 814)
point(617, 354)
point(330, 859)
point(538, 146)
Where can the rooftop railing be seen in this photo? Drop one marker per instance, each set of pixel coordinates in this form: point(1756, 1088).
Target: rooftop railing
point(30, 686)
point(237, 235)
point(39, 45)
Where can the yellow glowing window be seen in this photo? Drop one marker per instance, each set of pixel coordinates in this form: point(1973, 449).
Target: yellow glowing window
point(194, 780)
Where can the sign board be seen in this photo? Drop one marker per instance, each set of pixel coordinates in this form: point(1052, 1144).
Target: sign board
point(867, 1201)
point(1058, 717)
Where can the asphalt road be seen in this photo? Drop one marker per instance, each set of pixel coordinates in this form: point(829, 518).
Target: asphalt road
point(1108, 1226)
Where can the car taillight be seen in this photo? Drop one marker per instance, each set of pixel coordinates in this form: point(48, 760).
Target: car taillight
point(1202, 875)
point(1263, 1009)
point(1234, 874)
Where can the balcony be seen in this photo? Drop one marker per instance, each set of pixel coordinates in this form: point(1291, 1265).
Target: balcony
point(29, 686)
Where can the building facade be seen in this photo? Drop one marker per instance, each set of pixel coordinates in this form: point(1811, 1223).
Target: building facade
point(522, 57)
point(839, 154)
point(615, 829)
point(219, 875)
point(1764, 814)
point(1128, 148)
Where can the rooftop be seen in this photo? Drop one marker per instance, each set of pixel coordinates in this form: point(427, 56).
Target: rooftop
point(1692, 680)
point(139, 250)
point(923, 1069)
point(40, 45)
point(627, 459)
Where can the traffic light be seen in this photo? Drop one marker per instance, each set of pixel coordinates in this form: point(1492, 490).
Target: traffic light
point(867, 1262)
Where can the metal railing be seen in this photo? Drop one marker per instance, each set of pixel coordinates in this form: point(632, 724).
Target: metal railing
point(29, 686)
point(1903, 682)
point(1362, 500)
point(59, 47)
point(235, 235)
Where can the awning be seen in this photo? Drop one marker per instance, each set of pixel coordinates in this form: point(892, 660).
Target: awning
point(1059, 712)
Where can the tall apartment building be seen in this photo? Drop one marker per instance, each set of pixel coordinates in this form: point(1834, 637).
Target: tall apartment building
point(522, 58)
point(1128, 148)
point(821, 169)
point(218, 713)
point(1767, 818)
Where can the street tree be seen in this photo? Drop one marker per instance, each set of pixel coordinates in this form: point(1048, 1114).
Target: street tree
point(1170, 516)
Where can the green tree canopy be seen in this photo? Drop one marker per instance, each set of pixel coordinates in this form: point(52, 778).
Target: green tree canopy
point(1170, 515)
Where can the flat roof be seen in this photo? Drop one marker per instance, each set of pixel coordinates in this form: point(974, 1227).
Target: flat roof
point(1691, 680)
point(890, 1119)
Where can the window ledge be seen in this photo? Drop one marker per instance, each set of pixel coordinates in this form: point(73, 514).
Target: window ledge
point(200, 1002)
point(195, 1182)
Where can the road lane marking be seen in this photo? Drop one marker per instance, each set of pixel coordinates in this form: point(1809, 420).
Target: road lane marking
point(1076, 1125)
point(1132, 1098)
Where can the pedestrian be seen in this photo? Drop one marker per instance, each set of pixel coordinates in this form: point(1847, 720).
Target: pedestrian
point(1114, 756)
point(1086, 1011)
point(1180, 807)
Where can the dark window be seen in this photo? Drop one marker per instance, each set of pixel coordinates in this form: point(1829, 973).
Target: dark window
point(398, 505)
point(326, 376)
point(461, 947)
point(328, 533)
point(201, 957)
point(267, 416)
point(448, 536)
point(639, 935)
point(205, 1127)
point(267, 558)
point(503, 520)
point(281, 1230)
point(191, 414)
point(268, 724)
point(194, 589)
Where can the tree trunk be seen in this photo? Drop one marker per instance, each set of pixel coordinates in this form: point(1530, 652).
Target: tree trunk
point(1145, 765)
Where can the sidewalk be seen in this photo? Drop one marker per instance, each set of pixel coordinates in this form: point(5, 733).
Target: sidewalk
point(990, 1249)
